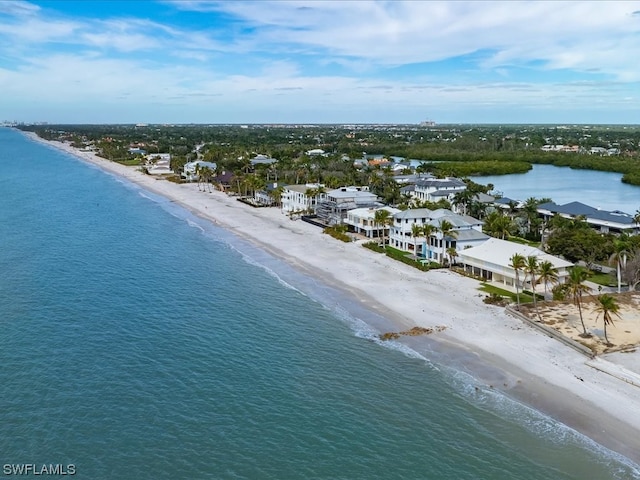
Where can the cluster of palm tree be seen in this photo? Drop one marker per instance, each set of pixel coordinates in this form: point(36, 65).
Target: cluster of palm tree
point(538, 272)
point(574, 287)
point(626, 258)
point(382, 219)
point(523, 221)
point(444, 229)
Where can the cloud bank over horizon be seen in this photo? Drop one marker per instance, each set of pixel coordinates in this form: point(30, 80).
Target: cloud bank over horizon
point(320, 62)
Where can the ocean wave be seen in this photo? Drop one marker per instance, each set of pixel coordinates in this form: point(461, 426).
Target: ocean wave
point(494, 401)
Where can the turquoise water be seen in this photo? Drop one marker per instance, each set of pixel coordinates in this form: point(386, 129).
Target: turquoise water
point(563, 185)
point(139, 342)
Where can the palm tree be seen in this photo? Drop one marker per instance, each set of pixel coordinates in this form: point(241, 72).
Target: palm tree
point(636, 217)
point(463, 198)
point(518, 264)
point(606, 306)
point(445, 227)
point(530, 210)
point(381, 219)
point(619, 256)
point(416, 231)
point(547, 273)
point(531, 268)
point(453, 254)
point(576, 288)
point(428, 230)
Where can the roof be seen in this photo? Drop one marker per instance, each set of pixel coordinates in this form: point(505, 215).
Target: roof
point(505, 201)
point(369, 212)
point(349, 193)
point(303, 188)
point(443, 193)
point(575, 209)
point(414, 213)
point(441, 182)
point(470, 234)
point(483, 198)
point(499, 252)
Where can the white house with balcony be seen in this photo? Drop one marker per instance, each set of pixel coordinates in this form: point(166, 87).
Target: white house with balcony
point(302, 198)
point(467, 232)
point(491, 262)
point(361, 220)
point(434, 189)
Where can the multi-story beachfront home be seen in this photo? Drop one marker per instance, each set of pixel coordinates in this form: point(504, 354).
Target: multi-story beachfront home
point(491, 261)
point(602, 220)
point(465, 232)
point(332, 210)
point(265, 196)
point(434, 189)
point(362, 221)
point(190, 169)
point(302, 198)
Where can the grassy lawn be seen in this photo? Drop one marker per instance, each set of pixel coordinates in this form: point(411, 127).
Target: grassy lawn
point(604, 279)
point(524, 297)
point(523, 241)
point(130, 162)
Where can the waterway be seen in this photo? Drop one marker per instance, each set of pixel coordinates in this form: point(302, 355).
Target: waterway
point(602, 190)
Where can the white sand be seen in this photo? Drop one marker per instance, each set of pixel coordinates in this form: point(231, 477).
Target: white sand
point(537, 370)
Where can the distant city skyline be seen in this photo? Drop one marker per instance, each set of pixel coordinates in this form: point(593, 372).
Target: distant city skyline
point(314, 62)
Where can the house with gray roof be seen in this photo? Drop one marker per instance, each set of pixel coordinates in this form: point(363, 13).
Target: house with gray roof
point(468, 232)
point(434, 189)
point(605, 221)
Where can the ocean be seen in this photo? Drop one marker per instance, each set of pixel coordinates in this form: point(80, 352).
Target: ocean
point(138, 341)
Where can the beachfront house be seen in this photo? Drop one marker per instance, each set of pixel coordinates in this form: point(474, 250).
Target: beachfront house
point(158, 164)
point(302, 198)
point(602, 220)
point(361, 221)
point(491, 261)
point(267, 196)
point(190, 169)
point(434, 189)
point(332, 210)
point(466, 232)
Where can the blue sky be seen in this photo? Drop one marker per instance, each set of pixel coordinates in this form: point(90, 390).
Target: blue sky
point(319, 62)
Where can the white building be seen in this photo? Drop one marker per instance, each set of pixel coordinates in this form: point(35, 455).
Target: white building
point(362, 221)
point(491, 262)
point(190, 169)
point(302, 198)
point(602, 220)
point(434, 189)
point(468, 232)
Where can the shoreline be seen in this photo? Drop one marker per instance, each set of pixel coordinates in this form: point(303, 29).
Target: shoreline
point(498, 350)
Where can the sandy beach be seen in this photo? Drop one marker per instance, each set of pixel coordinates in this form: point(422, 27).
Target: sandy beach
point(499, 350)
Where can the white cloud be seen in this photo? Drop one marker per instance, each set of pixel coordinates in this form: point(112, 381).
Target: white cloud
point(122, 64)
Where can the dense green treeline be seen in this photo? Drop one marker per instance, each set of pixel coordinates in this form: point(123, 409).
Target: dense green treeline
point(459, 150)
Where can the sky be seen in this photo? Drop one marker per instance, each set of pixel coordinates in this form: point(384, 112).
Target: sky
point(144, 61)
